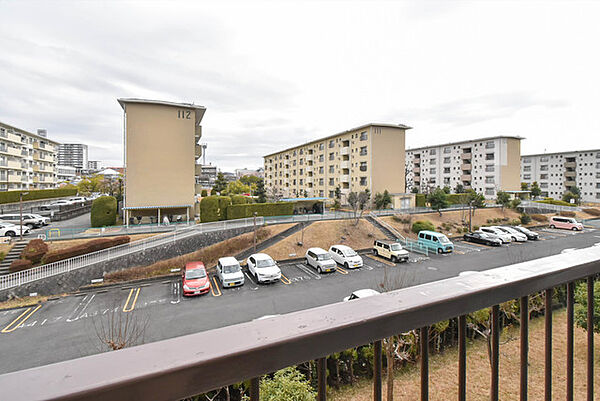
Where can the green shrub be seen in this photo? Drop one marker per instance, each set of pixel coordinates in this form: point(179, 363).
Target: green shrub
point(2, 256)
point(204, 193)
point(525, 218)
point(104, 211)
point(239, 199)
point(261, 209)
point(592, 211)
point(13, 196)
point(224, 203)
point(489, 221)
point(475, 228)
point(420, 200)
point(209, 209)
point(82, 249)
point(515, 222)
point(539, 217)
point(555, 202)
point(422, 225)
point(19, 264)
point(34, 251)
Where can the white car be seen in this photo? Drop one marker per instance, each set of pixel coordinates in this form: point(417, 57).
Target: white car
point(367, 292)
point(43, 219)
point(320, 259)
point(391, 250)
point(12, 230)
point(77, 199)
point(345, 256)
point(497, 233)
point(229, 272)
point(264, 268)
point(515, 235)
point(62, 202)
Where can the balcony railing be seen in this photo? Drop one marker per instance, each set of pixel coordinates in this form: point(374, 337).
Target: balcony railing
point(167, 370)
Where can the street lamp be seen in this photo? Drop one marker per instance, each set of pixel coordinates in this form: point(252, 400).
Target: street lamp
point(21, 213)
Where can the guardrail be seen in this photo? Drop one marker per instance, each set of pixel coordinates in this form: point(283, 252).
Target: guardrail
point(16, 279)
point(415, 246)
point(167, 370)
point(549, 206)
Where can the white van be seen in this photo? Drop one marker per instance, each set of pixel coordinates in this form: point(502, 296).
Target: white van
point(320, 259)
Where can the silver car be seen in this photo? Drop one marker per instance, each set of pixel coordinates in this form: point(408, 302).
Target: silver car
point(229, 272)
point(320, 259)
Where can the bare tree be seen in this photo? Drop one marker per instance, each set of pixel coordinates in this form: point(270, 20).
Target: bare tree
point(116, 329)
point(358, 202)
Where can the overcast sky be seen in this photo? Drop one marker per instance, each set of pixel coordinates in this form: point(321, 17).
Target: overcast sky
point(273, 75)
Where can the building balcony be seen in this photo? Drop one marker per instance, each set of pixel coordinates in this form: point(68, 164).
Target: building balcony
point(345, 151)
point(198, 151)
point(416, 170)
point(345, 164)
point(317, 333)
point(417, 160)
point(570, 183)
point(466, 166)
point(571, 174)
point(570, 164)
point(309, 158)
point(466, 156)
point(345, 178)
point(465, 177)
point(14, 178)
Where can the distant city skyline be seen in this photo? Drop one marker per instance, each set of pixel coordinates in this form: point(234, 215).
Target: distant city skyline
point(272, 75)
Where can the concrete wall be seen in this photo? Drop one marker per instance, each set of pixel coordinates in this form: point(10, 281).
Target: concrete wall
point(73, 280)
point(387, 160)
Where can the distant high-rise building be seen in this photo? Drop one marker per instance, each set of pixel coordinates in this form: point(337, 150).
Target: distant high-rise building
point(94, 165)
point(73, 154)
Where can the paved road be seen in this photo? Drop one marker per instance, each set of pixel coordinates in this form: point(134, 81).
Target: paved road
point(79, 223)
point(67, 328)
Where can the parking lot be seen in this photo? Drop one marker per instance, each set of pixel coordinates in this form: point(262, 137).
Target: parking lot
point(68, 326)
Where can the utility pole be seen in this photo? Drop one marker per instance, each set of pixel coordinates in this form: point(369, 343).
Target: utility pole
point(255, 232)
point(21, 214)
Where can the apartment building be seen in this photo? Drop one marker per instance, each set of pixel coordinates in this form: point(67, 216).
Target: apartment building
point(27, 160)
point(486, 165)
point(161, 150)
point(367, 157)
point(556, 173)
point(205, 177)
point(66, 173)
point(74, 155)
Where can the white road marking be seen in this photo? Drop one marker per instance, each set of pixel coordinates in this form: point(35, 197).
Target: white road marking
point(308, 271)
point(78, 311)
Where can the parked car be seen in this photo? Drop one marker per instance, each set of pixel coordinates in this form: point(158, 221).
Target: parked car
point(12, 230)
point(531, 235)
point(264, 268)
point(194, 279)
point(565, 223)
point(437, 241)
point(60, 202)
point(505, 237)
point(320, 259)
point(390, 250)
point(364, 293)
point(28, 219)
point(229, 272)
point(78, 200)
point(345, 256)
point(515, 235)
point(482, 238)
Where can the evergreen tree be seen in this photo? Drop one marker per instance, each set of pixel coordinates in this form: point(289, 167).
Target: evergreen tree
point(260, 192)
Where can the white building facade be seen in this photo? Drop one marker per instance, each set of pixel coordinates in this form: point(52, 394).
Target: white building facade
point(556, 173)
point(485, 165)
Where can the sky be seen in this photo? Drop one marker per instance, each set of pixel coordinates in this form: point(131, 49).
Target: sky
point(275, 74)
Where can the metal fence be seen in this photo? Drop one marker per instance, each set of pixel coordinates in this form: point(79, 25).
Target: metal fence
point(16, 279)
point(548, 206)
point(167, 370)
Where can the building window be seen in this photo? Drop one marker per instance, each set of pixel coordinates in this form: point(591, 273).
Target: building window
point(489, 156)
point(489, 191)
point(331, 143)
point(446, 180)
point(321, 181)
point(321, 158)
point(331, 182)
point(331, 169)
point(321, 193)
point(446, 160)
point(526, 168)
point(447, 150)
point(432, 171)
point(363, 136)
point(543, 185)
point(431, 161)
point(446, 170)
point(544, 167)
point(321, 170)
point(432, 152)
point(526, 176)
point(363, 166)
point(332, 194)
point(490, 168)
point(543, 159)
point(363, 151)
point(331, 156)
point(489, 145)
point(301, 181)
point(363, 180)
point(543, 176)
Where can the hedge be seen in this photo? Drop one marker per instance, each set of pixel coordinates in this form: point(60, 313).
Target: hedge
point(214, 208)
point(422, 225)
point(555, 202)
point(104, 211)
point(20, 264)
point(453, 199)
point(261, 209)
point(239, 200)
point(35, 194)
point(82, 249)
point(420, 200)
point(34, 251)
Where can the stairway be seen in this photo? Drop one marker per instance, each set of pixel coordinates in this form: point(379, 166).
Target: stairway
point(389, 231)
point(13, 254)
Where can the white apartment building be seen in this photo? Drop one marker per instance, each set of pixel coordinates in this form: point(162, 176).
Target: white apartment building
point(66, 173)
point(27, 160)
point(555, 173)
point(485, 165)
point(73, 154)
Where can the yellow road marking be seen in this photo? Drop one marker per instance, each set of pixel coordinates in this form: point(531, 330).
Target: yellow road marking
point(21, 319)
point(216, 291)
point(476, 244)
point(129, 309)
point(459, 252)
point(381, 260)
point(340, 270)
point(285, 280)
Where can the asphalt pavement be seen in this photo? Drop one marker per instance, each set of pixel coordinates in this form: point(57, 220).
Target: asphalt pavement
point(71, 327)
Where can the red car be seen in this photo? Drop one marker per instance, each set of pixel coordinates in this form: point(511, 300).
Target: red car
point(195, 280)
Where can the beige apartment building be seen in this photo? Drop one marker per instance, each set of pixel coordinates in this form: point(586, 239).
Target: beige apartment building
point(486, 165)
point(367, 157)
point(27, 160)
point(161, 149)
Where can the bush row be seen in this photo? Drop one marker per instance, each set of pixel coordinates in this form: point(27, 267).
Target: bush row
point(421, 225)
point(261, 209)
point(104, 211)
point(216, 208)
point(82, 249)
point(34, 251)
point(555, 202)
point(13, 196)
point(453, 199)
point(19, 264)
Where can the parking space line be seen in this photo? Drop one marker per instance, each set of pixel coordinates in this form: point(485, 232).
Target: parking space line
point(462, 253)
point(254, 285)
point(340, 270)
point(132, 307)
point(21, 319)
point(307, 270)
point(176, 292)
point(285, 280)
point(214, 289)
point(381, 260)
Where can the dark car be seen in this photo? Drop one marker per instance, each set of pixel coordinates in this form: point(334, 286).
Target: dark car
point(482, 238)
point(530, 234)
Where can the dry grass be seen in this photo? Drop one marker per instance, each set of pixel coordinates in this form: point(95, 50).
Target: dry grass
point(5, 248)
point(323, 234)
point(24, 301)
point(444, 368)
point(209, 255)
point(56, 245)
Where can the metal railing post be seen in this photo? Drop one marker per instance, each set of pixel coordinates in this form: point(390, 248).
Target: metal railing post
point(424, 345)
point(462, 358)
point(254, 389)
point(570, 324)
point(524, 346)
point(548, 345)
point(590, 338)
point(495, 353)
point(377, 371)
point(322, 379)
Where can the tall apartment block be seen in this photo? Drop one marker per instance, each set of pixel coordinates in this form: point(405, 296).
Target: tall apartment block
point(161, 150)
point(27, 160)
point(74, 155)
point(486, 165)
point(367, 157)
point(556, 173)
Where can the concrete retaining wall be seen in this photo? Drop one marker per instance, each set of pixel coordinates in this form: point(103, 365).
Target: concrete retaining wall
point(75, 279)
